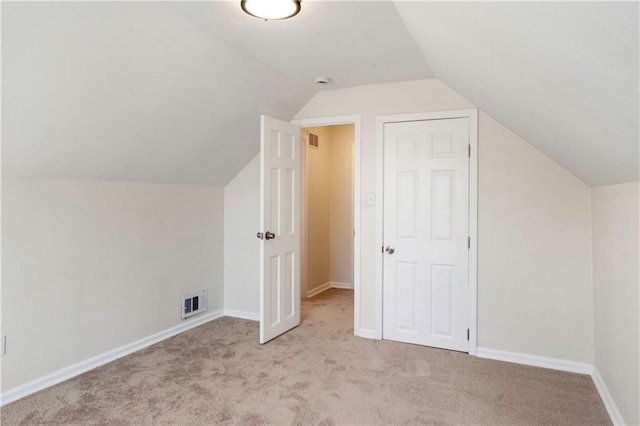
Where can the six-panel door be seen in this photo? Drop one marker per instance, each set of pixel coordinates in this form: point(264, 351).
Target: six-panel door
point(279, 216)
point(426, 186)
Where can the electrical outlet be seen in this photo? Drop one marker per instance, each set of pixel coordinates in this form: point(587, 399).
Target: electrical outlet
point(3, 345)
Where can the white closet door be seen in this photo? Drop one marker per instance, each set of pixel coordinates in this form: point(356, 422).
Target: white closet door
point(426, 227)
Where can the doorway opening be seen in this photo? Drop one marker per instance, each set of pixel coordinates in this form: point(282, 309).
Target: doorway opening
point(282, 220)
point(328, 212)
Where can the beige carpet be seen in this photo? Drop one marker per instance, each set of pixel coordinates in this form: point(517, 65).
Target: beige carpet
point(316, 374)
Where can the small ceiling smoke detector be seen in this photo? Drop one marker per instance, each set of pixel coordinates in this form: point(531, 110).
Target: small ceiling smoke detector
point(271, 9)
point(322, 80)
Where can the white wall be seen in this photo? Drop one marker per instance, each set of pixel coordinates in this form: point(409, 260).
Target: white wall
point(89, 266)
point(340, 205)
point(616, 255)
point(556, 318)
point(241, 247)
point(534, 251)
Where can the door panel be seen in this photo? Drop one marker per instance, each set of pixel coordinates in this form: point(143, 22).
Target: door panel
point(280, 192)
point(426, 221)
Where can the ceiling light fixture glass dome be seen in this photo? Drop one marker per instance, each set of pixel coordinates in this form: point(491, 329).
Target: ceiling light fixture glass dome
point(271, 9)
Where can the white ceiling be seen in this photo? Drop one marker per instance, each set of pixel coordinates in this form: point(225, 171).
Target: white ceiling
point(562, 75)
point(172, 92)
point(355, 43)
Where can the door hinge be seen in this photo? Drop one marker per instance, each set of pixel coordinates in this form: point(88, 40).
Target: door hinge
point(469, 150)
point(468, 242)
point(382, 249)
point(467, 334)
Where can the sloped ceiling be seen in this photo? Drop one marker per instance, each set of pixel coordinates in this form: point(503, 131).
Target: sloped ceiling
point(171, 92)
point(562, 75)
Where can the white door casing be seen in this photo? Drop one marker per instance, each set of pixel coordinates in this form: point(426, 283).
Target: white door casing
point(280, 191)
point(426, 221)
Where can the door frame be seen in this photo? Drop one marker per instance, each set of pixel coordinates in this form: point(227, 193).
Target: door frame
point(472, 115)
point(356, 120)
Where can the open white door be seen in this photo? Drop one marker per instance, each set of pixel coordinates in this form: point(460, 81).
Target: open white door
point(280, 192)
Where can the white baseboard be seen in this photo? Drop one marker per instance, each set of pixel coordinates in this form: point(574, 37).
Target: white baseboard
point(323, 287)
point(326, 286)
point(346, 286)
point(562, 365)
point(607, 400)
point(367, 334)
point(251, 316)
point(535, 360)
point(78, 368)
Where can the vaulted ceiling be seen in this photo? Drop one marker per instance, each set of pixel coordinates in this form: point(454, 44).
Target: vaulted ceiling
point(171, 92)
point(562, 75)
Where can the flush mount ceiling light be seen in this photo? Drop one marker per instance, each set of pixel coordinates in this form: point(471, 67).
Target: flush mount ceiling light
point(271, 9)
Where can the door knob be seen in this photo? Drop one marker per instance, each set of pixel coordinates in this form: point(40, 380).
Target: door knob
point(269, 235)
point(389, 250)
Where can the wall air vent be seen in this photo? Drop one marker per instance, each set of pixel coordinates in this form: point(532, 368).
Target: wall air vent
point(313, 141)
point(193, 304)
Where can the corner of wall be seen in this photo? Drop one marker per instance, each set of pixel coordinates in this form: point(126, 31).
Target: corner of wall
point(538, 216)
point(241, 222)
point(84, 253)
point(616, 274)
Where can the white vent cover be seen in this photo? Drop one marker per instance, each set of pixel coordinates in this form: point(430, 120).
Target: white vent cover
point(194, 303)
